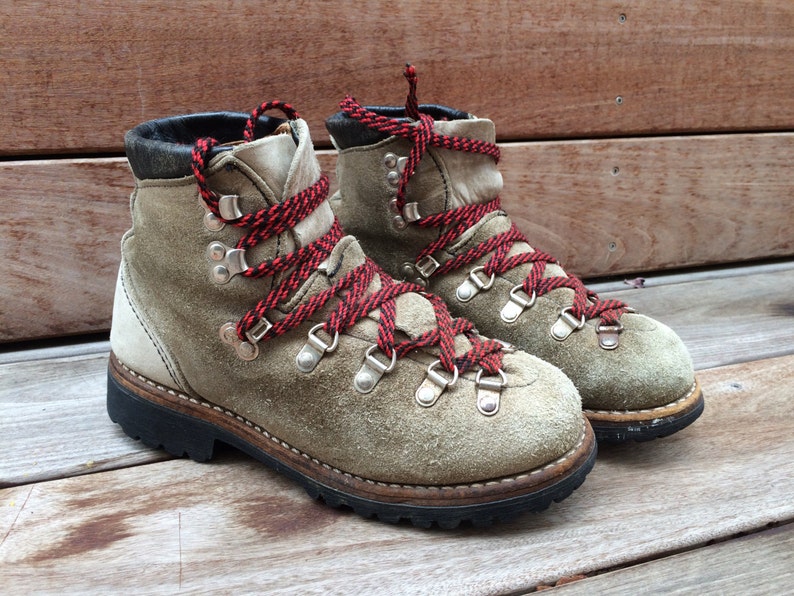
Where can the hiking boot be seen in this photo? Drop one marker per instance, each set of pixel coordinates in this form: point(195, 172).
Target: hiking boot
point(419, 188)
point(243, 315)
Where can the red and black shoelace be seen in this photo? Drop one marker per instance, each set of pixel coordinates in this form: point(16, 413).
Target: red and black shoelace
point(418, 129)
point(351, 290)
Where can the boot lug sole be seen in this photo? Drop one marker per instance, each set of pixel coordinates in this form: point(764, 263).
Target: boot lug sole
point(620, 427)
point(185, 427)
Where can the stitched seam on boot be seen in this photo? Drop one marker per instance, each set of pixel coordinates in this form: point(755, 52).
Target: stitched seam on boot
point(156, 345)
point(266, 434)
point(658, 408)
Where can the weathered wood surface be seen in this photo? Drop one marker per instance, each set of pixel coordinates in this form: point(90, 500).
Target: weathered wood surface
point(60, 244)
point(54, 422)
point(77, 75)
point(761, 563)
point(234, 526)
point(722, 319)
point(621, 205)
point(677, 201)
point(68, 384)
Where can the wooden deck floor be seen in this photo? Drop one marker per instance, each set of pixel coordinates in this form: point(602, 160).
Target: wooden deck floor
point(708, 510)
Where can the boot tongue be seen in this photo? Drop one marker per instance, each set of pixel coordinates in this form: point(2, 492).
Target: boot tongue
point(287, 168)
point(472, 178)
point(474, 185)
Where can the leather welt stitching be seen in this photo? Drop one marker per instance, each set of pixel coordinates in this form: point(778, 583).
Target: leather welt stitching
point(658, 408)
point(286, 445)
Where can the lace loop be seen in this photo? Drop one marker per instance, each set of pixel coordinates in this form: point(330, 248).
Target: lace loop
point(287, 109)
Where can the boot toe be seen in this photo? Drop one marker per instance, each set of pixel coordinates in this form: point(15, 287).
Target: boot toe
point(650, 368)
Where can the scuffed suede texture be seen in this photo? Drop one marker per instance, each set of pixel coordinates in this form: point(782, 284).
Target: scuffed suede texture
point(384, 435)
point(650, 368)
point(471, 178)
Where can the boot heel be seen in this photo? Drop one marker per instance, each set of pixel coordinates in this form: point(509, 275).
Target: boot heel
point(157, 426)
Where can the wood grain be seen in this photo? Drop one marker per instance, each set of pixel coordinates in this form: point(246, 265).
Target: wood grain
point(54, 421)
point(676, 202)
point(59, 245)
point(75, 77)
point(755, 564)
point(634, 205)
point(233, 524)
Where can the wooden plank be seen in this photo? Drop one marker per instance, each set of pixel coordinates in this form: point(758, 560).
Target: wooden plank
point(684, 277)
point(43, 352)
point(623, 205)
point(755, 564)
point(54, 422)
point(724, 316)
point(676, 201)
point(234, 524)
point(59, 245)
point(710, 314)
point(91, 72)
point(724, 320)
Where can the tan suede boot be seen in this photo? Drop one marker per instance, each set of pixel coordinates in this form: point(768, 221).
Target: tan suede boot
point(420, 189)
point(242, 315)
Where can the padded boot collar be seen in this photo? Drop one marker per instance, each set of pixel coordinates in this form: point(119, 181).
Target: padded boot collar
point(347, 132)
point(162, 148)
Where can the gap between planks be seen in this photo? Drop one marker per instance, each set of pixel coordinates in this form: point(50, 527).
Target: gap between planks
point(663, 61)
point(761, 562)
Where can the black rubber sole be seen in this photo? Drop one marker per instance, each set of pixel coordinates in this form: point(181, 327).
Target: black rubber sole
point(181, 435)
point(641, 431)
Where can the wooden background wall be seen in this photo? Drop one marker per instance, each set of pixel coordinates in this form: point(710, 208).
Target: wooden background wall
point(691, 166)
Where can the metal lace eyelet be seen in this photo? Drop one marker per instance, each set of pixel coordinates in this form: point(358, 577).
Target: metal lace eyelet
point(211, 222)
point(566, 324)
point(229, 208)
point(372, 370)
point(411, 212)
point(489, 391)
point(419, 272)
point(314, 349)
point(517, 304)
point(473, 285)
point(226, 262)
point(609, 335)
point(434, 385)
point(390, 160)
point(246, 350)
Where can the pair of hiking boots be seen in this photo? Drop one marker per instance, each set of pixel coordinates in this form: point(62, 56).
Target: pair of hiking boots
point(243, 314)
